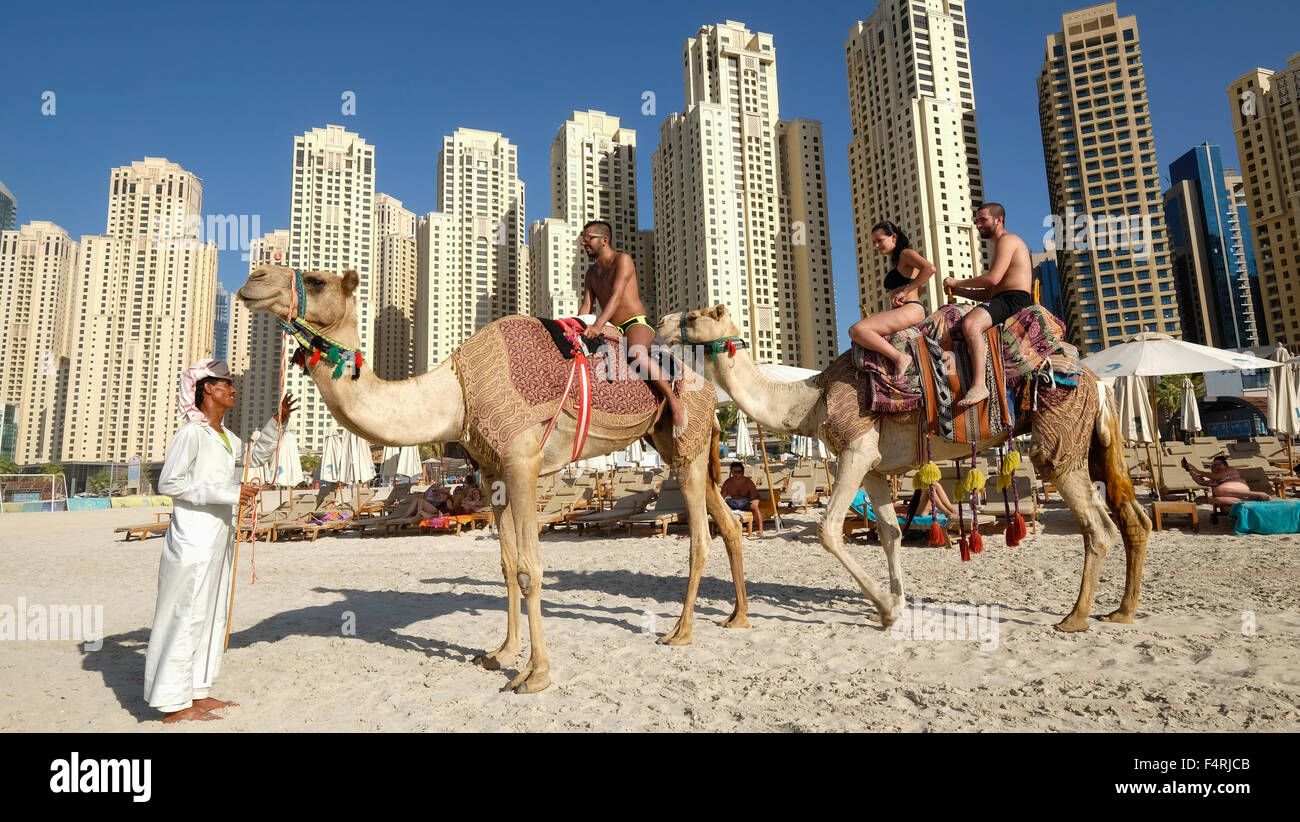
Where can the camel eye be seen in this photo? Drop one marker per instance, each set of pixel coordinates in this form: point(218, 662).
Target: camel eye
point(315, 282)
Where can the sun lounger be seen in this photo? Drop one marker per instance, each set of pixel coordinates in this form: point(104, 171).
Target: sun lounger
point(627, 506)
point(144, 530)
point(669, 508)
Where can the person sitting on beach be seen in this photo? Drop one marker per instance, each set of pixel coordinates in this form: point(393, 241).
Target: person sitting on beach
point(903, 282)
point(1226, 485)
point(1004, 289)
point(434, 503)
point(741, 494)
point(611, 281)
point(466, 499)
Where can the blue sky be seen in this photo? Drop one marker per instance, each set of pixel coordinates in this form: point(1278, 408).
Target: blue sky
point(222, 89)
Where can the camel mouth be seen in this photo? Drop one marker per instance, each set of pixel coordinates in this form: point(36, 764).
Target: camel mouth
point(256, 302)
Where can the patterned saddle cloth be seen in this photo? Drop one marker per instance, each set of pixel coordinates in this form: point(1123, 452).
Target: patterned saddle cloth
point(505, 404)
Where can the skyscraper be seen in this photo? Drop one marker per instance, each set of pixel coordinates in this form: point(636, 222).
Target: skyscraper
point(36, 271)
point(1049, 280)
point(256, 346)
point(1205, 244)
point(471, 252)
point(1265, 117)
point(723, 218)
point(332, 229)
point(914, 157)
point(593, 177)
point(395, 294)
point(8, 209)
point(143, 302)
point(1102, 180)
point(221, 324)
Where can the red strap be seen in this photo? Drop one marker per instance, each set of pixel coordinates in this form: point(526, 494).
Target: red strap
point(573, 330)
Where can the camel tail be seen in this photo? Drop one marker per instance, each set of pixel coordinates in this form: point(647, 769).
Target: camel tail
point(1106, 463)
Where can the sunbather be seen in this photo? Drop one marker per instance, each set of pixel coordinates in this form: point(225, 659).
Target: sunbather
point(435, 503)
point(1226, 485)
point(466, 499)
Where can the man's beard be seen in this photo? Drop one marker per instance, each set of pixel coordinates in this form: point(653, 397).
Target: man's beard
point(986, 233)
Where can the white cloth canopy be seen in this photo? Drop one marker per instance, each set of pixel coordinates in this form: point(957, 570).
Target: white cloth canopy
point(808, 447)
point(1137, 422)
point(1150, 354)
point(402, 462)
point(744, 442)
point(1190, 419)
point(779, 373)
point(603, 462)
point(355, 464)
point(285, 468)
point(1283, 399)
point(331, 458)
point(636, 452)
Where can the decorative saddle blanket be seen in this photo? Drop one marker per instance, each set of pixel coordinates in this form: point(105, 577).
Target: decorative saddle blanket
point(537, 375)
point(946, 377)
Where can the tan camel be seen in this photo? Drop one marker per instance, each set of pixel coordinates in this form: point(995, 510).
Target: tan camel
point(433, 408)
point(891, 446)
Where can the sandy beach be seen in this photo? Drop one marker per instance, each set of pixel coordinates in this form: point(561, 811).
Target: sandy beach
point(1216, 646)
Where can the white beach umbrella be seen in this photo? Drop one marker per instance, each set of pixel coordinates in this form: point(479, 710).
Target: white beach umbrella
point(1150, 354)
point(1284, 400)
point(401, 462)
point(603, 462)
point(744, 443)
point(355, 465)
point(1137, 422)
point(809, 448)
point(286, 467)
point(1190, 419)
point(636, 452)
point(331, 458)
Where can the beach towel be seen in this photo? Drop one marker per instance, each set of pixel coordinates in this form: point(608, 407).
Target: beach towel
point(859, 506)
point(1281, 516)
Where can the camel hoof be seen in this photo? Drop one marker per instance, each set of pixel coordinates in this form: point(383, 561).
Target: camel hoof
point(1117, 616)
point(492, 661)
point(1070, 625)
point(674, 638)
point(735, 621)
point(534, 683)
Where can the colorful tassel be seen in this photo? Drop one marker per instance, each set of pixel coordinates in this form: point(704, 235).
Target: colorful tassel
point(1016, 530)
point(315, 357)
point(927, 476)
point(975, 480)
point(965, 548)
point(338, 370)
point(936, 530)
point(1011, 462)
point(333, 355)
point(976, 542)
point(357, 356)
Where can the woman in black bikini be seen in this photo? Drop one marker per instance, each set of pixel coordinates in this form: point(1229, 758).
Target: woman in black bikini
point(903, 282)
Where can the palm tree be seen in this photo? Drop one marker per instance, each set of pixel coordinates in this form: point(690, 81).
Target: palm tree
point(1168, 396)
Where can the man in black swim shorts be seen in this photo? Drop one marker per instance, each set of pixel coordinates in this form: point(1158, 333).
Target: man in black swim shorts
point(1004, 290)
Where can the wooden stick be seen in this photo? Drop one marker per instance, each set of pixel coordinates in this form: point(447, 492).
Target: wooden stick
point(234, 567)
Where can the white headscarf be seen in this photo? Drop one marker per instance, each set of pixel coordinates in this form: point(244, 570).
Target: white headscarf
point(185, 408)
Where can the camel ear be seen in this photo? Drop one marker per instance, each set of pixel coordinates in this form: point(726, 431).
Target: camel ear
point(720, 312)
point(350, 282)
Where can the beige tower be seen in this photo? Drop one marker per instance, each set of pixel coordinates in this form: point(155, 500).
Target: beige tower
point(722, 231)
point(395, 293)
point(37, 263)
point(593, 177)
point(813, 342)
point(472, 256)
point(1103, 182)
point(914, 155)
point(143, 305)
point(1265, 117)
point(332, 229)
point(256, 344)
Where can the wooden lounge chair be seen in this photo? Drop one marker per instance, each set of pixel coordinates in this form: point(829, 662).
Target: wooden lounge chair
point(146, 529)
point(669, 508)
point(627, 506)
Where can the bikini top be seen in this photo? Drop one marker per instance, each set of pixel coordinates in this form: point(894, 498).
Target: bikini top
point(896, 279)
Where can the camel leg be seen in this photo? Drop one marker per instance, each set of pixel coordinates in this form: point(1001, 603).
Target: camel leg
point(509, 569)
point(1134, 528)
point(730, 531)
point(693, 480)
point(1098, 533)
point(891, 535)
point(521, 494)
point(855, 461)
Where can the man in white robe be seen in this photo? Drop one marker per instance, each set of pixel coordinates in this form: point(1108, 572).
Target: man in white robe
point(201, 476)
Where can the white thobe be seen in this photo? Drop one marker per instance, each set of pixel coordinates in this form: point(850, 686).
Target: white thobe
point(195, 574)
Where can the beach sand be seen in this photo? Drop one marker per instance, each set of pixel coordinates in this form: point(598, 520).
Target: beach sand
point(1216, 646)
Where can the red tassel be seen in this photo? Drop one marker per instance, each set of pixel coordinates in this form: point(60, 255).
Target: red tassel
point(936, 531)
point(965, 549)
point(358, 359)
point(976, 543)
point(315, 357)
point(1018, 527)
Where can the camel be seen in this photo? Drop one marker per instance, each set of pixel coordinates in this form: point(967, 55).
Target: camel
point(433, 407)
point(892, 445)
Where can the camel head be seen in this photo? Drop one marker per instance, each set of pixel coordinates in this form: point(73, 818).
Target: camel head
point(330, 303)
point(704, 325)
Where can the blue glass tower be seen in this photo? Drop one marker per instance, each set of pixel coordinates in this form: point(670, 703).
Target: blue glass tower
point(1212, 258)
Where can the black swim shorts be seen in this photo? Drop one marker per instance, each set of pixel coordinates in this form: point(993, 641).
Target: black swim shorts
point(1007, 304)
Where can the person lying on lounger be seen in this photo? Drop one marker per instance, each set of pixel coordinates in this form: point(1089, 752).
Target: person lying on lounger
point(1226, 485)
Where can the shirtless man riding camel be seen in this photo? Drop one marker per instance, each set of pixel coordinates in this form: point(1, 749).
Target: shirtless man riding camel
point(611, 281)
point(1005, 290)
